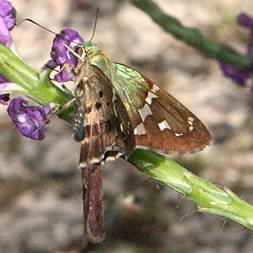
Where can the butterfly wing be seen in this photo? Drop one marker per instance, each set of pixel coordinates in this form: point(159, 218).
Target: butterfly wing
point(159, 120)
point(105, 130)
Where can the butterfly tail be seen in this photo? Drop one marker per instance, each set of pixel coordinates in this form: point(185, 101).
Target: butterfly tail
point(93, 204)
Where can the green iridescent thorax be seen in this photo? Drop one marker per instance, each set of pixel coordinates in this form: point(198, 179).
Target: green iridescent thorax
point(96, 56)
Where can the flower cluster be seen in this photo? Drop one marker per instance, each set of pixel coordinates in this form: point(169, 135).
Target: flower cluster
point(240, 77)
point(61, 55)
point(30, 120)
point(7, 22)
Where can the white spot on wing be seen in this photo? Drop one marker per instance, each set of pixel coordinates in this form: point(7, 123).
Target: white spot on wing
point(191, 128)
point(155, 88)
point(179, 134)
point(145, 112)
point(110, 158)
point(190, 120)
point(140, 129)
point(149, 97)
point(113, 158)
point(96, 160)
point(164, 125)
point(82, 165)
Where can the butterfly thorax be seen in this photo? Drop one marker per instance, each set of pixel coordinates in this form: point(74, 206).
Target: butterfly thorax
point(93, 55)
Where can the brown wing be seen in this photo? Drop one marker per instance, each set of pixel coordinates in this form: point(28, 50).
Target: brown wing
point(170, 126)
point(159, 120)
point(104, 129)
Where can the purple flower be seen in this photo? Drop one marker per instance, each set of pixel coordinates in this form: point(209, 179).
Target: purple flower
point(245, 20)
point(7, 22)
point(29, 120)
point(241, 76)
point(62, 56)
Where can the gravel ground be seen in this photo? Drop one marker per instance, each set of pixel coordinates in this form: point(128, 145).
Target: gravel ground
point(40, 189)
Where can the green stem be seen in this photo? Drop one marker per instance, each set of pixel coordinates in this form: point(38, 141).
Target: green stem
point(34, 85)
point(208, 197)
point(193, 36)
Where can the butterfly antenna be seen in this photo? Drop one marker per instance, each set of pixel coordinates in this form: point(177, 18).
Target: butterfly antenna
point(94, 26)
point(37, 24)
point(73, 51)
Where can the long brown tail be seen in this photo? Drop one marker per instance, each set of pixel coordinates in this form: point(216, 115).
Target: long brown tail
point(93, 204)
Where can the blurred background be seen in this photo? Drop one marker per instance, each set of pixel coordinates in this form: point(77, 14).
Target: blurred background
point(40, 185)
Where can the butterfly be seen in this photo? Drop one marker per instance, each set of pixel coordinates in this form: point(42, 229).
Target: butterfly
point(119, 109)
